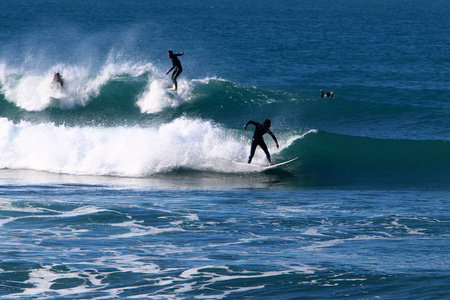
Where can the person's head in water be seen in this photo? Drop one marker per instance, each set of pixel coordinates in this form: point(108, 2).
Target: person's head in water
point(267, 123)
point(170, 53)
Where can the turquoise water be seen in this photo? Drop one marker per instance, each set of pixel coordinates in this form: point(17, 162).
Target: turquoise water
point(112, 189)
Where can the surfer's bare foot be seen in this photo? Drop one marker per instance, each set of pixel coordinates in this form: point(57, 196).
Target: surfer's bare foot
point(270, 164)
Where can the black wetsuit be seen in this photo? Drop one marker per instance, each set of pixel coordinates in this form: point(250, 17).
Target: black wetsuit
point(258, 140)
point(177, 68)
point(59, 80)
point(326, 95)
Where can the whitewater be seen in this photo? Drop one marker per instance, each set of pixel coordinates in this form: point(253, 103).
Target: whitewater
point(122, 151)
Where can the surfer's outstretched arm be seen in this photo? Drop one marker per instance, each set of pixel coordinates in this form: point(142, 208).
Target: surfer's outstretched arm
point(274, 138)
point(250, 122)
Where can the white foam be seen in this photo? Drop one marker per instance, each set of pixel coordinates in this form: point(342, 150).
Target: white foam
point(155, 99)
point(80, 211)
point(8, 205)
point(42, 280)
point(7, 220)
point(206, 80)
point(192, 217)
point(124, 151)
point(129, 263)
point(141, 231)
point(324, 244)
point(190, 273)
point(349, 279)
point(33, 90)
point(312, 231)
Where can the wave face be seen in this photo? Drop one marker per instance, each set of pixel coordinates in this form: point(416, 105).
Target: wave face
point(336, 158)
point(122, 122)
point(388, 121)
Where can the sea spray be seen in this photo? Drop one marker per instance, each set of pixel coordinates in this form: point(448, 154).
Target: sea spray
point(122, 151)
point(157, 96)
point(33, 90)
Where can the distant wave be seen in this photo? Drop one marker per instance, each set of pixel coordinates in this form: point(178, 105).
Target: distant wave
point(128, 95)
point(34, 91)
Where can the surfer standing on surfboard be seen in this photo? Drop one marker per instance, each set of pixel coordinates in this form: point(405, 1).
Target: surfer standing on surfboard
point(176, 67)
point(260, 130)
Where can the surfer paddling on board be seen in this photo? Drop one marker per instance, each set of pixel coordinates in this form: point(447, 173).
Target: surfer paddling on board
point(176, 67)
point(260, 130)
point(326, 95)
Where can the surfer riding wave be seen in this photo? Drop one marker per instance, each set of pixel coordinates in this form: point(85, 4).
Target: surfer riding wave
point(258, 140)
point(176, 67)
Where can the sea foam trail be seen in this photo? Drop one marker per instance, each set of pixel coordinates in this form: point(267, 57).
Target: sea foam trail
point(125, 151)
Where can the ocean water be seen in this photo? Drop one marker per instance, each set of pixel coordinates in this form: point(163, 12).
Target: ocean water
point(110, 188)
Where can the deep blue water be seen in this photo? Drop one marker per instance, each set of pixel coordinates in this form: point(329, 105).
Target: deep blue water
point(111, 188)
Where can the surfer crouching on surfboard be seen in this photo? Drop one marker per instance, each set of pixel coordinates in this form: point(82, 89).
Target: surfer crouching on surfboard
point(260, 130)
point(176, 67)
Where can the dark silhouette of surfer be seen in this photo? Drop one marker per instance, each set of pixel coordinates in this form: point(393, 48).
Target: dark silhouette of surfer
point(176, 67)
point(58, 79)
point(260, 130)
point(326, 95)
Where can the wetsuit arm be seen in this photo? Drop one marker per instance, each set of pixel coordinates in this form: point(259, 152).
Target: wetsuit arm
point(170, 70)
point(251, 122)
point(175, 62)
point(273, 136)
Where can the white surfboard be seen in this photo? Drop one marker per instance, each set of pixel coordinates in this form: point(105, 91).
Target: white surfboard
point(170, 92)
point(279, 164)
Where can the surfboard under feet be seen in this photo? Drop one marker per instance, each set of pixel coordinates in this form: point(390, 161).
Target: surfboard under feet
point(280, 164)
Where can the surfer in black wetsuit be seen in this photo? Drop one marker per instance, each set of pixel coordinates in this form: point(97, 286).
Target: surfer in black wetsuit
point(176, 67)
point(58, 78)
point(258, 140)
point(327, 94)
